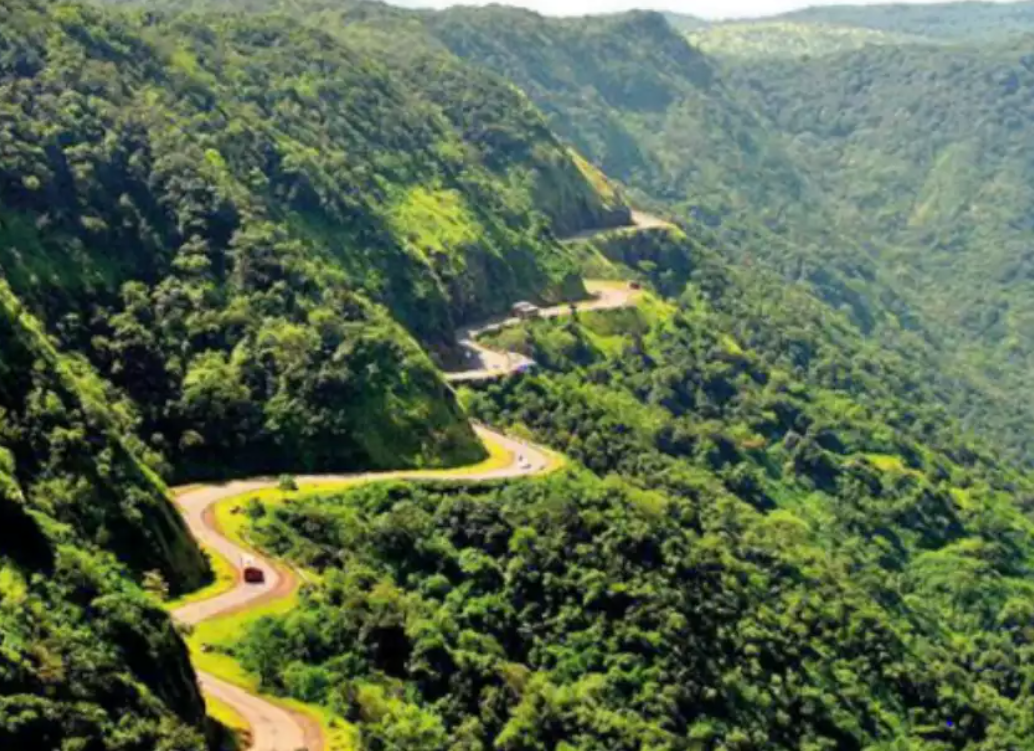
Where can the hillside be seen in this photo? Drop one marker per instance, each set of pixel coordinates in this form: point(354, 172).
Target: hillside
point(634, 98)
point(819, 168)
point(686, 22)
point(676, 406)
point(87, 658)
point(963, 20)
point(225, 244)
point(789, 496)
point(790, 548)
point(764, 39)
point(923, 150)
point(231, 217)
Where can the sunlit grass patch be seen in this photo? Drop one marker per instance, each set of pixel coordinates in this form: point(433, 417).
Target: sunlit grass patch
point(232, 722)
point(208, 646)
point(433, 220)
point(224, 577)
point(210, 640)
point(888, 463)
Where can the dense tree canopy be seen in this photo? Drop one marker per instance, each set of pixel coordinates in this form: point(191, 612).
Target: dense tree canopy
point(954, 21)
point(238, 237)
point(774, 536)
point(784, 551)
point(225, 214)
point(221, 241)
point(86, 659)
point(891, 175)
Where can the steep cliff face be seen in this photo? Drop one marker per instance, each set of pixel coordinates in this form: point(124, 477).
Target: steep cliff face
point(71, 454)
point(87, 658)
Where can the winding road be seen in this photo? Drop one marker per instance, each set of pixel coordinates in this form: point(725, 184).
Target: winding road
point(273, 727)
point(486, 364)
point(640, 220)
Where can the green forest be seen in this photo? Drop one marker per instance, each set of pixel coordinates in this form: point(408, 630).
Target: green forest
point(763, 543)
point(237, 239)
point(87, 660)
point(890, 177)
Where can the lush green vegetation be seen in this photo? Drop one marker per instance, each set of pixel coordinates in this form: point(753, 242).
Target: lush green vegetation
point(221, 241)
point(774, 544)
point(236, 242)
point(781, 539)
point(821, 28)
point(87, 660)
point(951, 21)
point(891, 179)
point(633, 97)
point(944, 191)
point(787, 39)
point(224, 215)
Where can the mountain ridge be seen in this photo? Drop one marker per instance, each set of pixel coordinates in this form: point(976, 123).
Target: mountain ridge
point(796, 512)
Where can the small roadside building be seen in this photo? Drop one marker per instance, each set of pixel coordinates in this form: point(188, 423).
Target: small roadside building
point(525, 310)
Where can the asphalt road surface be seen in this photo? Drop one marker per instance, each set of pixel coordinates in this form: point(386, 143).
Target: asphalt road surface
point(486, 364)
point(274, 728)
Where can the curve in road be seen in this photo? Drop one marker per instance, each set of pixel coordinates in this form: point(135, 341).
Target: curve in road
point(487, 364)
point(273, 727)
point(639, 220)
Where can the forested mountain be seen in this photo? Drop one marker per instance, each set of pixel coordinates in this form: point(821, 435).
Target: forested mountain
point(636, 99)
point(925, 150)
point(222, 214)
point(223, 242)
point(763, 39)
point(964, 20)
point(890, 178)
point(237, 238)
point(820, 29)
point(791, 549)
point(86, 657)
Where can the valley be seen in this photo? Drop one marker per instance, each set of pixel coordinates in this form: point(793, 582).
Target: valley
point(271, 726)
point(376, 378)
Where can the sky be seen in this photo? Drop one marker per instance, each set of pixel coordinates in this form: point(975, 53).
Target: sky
point(711, 9)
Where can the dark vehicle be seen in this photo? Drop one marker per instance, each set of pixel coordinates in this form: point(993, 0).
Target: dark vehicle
point(635, 285)
point(252, 573)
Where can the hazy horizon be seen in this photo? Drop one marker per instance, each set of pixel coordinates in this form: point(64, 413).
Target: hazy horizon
point(712, 10)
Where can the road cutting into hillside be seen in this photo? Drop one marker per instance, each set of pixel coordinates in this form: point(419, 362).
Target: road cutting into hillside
point(273, 726)
point(640, 220)
point(486, 364)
